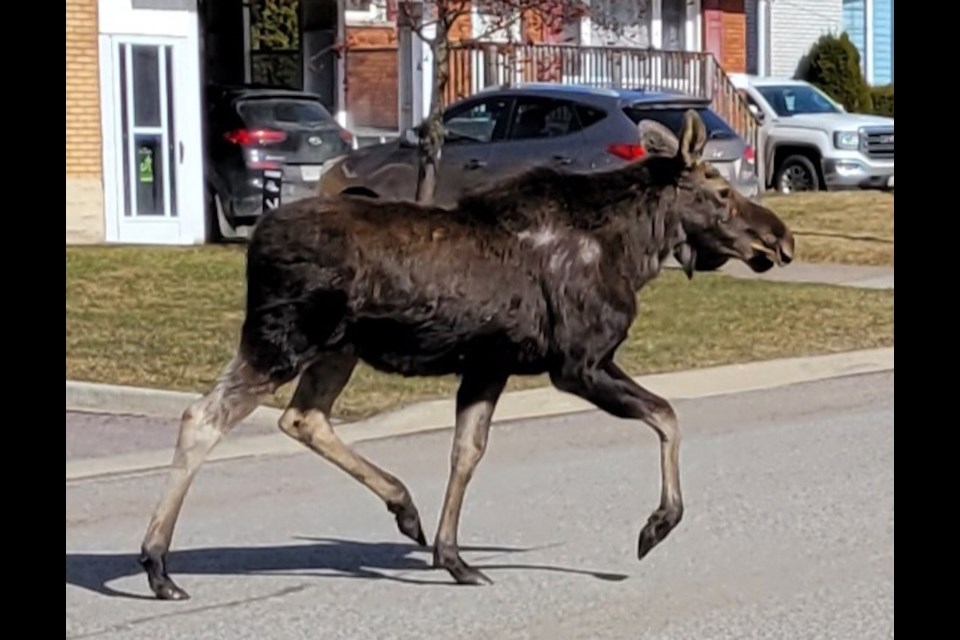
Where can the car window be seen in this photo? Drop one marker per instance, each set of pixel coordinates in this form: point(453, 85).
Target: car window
point(672, 118)
point(790, 100)
point(588, 116)
point(267, 111)
point(543, 118)
point(482, 121)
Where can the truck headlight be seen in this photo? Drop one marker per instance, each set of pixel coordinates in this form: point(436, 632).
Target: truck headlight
point(846, 140)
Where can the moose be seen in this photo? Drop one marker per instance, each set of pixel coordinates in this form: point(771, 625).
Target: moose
point(536, 275)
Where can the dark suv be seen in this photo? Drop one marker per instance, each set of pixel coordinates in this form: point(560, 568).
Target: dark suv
point(505, 129)
point(264, 146)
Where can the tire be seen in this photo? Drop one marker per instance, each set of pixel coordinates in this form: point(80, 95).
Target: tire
point(796, 173)
point(213, 224)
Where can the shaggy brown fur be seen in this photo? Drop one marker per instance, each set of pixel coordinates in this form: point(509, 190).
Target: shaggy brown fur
point(538, 274)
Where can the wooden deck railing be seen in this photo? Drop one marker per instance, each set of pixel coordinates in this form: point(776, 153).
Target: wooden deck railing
point(476, 65)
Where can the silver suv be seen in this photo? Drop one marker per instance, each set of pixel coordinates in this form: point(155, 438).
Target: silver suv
point(501, 130)
point(811, 143)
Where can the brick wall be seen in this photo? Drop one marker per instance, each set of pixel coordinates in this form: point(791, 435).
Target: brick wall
point(371, 70)
point(84, 185)
point(372, 74)
point(83, 90)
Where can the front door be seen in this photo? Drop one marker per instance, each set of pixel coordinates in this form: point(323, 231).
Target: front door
point(151, 176)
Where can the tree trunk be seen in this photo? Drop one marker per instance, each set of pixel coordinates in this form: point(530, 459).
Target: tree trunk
point(431, 132)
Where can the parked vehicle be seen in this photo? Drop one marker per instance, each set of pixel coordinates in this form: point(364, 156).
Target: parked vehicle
point(254, 129)
point(811, 143)
point(502, 130)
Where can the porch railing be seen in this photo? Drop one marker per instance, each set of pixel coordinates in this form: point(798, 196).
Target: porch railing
point(476, 65)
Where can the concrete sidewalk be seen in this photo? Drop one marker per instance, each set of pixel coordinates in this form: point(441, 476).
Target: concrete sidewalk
point(438, 414)
point(836, 274)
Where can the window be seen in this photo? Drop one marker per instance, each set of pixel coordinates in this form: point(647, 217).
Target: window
point(621, 22)
point(790, 100)
point(269, 111)
point(673, 15)
point(543, 118)
point(589, 116)
point(275, 51)
point(477, 122)
point(672, 118)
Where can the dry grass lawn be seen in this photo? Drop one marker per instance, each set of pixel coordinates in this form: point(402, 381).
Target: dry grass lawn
point(854, 227)
point(169, 318)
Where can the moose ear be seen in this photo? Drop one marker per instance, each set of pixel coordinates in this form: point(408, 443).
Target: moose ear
point(693, 138)
point(657, 139)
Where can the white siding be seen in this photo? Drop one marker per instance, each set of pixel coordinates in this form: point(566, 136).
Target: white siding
point(794, 26)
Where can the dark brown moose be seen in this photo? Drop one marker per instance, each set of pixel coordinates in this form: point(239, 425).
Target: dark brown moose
point(536, 275)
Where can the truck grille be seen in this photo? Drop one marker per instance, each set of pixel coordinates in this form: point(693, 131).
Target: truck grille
point(877, 143)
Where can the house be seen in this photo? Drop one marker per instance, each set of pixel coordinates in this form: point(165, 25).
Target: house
point(781, 32)
point(869, 23)
point(136, 71)
point(134, 101)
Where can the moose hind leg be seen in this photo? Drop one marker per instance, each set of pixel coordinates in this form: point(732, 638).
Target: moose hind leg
point(613, 391)
point(234, 396)
point(476, 400)
point(307, 419)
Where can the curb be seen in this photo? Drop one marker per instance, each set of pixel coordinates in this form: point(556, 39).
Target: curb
point(154, 403)
point(438, 414)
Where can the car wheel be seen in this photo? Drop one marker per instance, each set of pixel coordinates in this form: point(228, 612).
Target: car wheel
point(796, 173)
point(214, 215)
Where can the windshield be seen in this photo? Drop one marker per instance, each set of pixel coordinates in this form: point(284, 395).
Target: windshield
point(259, 112)
point(792, 100)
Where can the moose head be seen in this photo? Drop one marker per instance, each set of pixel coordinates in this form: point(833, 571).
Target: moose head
point(718, 222)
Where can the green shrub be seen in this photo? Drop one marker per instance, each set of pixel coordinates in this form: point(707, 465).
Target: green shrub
point(833, 65)
point(882, 97)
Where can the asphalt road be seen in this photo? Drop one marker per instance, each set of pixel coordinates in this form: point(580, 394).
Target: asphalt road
point(788, 534)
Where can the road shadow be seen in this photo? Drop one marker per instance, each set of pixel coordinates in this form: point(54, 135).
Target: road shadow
point(321, 557)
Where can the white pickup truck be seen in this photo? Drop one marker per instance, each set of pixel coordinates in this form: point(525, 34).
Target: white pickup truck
point(810, 143)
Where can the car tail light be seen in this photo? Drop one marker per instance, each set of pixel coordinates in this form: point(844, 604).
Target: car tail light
point(250, 137)
point(749, 156)
point(628, 152)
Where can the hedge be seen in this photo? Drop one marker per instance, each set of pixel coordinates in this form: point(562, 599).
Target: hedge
point(882, 97)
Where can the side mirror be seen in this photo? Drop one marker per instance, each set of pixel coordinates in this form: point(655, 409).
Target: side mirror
point(757, 113)
point(410, 137)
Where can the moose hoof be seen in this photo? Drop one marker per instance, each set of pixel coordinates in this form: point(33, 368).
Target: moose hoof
point(408, 522)
point(460, 570)
point(160, 583)
point(168, 591)
point(661, 523)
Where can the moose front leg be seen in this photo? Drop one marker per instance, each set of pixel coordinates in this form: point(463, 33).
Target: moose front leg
point(476, 399)
point(307, 419)
point(612, 390)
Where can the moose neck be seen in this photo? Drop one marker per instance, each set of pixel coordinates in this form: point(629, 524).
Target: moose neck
point(636, 217)
point(629, 210)
point(650, 235)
